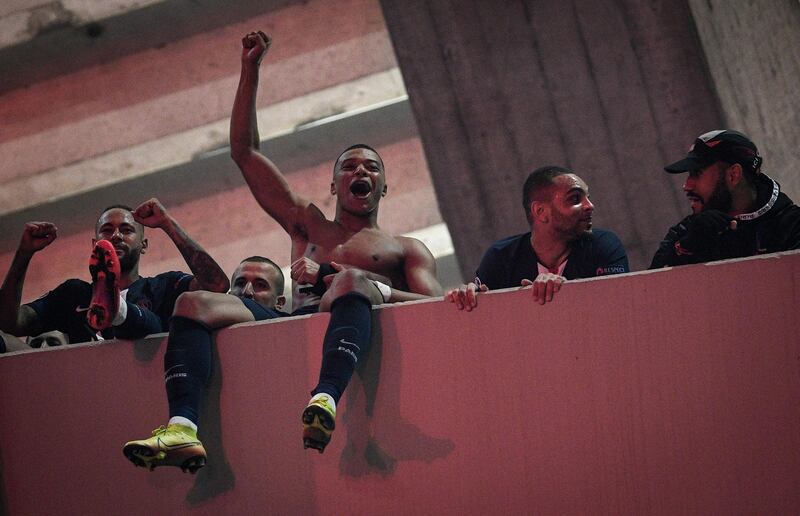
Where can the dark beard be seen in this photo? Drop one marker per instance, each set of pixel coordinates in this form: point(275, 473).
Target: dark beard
point(569, 230)
point(128, 261)
point(721, 198)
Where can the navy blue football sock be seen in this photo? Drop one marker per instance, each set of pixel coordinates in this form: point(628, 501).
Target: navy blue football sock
point(187, 366)
point(138, 323)
point(347, 339)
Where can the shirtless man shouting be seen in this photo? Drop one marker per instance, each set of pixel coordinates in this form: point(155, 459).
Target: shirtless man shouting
point(349, 261)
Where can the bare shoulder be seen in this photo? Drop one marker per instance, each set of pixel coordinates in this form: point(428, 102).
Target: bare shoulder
point(309, 222)
point(413, 247)
point(419, 267)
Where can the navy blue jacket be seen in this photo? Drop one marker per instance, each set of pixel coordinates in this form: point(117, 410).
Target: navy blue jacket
point(507, 262)
point(62, 308)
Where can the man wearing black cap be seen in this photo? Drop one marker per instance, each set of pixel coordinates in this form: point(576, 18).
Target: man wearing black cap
point(736, 210)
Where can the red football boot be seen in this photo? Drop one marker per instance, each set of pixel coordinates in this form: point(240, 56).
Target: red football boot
point(105, 270)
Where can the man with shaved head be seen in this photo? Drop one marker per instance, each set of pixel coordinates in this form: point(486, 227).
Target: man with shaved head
point(256, 295)
point(561, 245)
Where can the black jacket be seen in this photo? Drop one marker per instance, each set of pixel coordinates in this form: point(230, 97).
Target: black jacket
point(773, 227)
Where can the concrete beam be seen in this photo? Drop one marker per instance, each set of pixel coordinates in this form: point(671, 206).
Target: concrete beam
point(154, 95)
point(41, 40)
point(28, 191)
point(752, 53)
point(196, 172)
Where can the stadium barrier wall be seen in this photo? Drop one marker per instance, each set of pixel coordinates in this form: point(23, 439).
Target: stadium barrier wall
point(662, 392)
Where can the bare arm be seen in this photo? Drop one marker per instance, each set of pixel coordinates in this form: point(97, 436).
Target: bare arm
point(13, 343)
point(265, 180)
point(208, 275)
point(16, 319)
point(420, 273)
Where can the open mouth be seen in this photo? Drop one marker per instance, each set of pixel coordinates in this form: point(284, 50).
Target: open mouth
point(361, 188)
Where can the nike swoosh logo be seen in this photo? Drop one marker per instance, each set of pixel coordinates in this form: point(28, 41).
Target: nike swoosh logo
point(179, 446)
point(349, 343)
point(173, 367)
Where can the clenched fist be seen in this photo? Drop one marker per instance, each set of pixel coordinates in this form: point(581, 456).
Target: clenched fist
point(37, 235)
point(254, 47)
point(151, 213)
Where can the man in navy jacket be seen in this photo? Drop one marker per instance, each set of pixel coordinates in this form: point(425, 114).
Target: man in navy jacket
point(560, 246)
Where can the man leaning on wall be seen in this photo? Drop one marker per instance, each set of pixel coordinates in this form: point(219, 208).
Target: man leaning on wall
point(561, 245)
point(737, 210)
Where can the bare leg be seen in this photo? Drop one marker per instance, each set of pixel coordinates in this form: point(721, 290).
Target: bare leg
point(212, 309)
point(348, 281)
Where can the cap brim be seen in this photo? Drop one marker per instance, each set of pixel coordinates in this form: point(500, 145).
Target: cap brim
point(687, 164)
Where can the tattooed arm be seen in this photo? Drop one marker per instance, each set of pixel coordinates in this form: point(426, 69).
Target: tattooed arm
point(15, 318)
point(208, 275)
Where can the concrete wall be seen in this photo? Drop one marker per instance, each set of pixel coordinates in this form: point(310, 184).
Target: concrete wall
point(752, 52)
point(614, 89)
point(662, 392)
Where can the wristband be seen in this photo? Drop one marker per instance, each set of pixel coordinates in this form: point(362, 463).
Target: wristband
point(384, 289)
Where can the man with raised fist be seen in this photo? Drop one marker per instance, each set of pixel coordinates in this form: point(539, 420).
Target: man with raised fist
point(119, 302)
point(348, 263)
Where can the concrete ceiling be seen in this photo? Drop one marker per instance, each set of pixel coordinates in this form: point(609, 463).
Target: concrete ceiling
point(131, 99)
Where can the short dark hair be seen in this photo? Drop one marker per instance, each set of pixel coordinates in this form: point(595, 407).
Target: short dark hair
point(356, 146)
point(536, 185)
point(261, 259)
point(117, 207)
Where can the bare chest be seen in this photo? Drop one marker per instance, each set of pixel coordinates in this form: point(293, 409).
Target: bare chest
point(369, 249)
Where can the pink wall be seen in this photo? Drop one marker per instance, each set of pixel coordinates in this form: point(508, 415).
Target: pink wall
point(663, 392)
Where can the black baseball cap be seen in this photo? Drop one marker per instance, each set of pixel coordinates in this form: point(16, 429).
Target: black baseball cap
point(719, 145)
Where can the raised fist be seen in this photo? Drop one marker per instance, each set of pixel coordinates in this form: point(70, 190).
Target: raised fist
point(254, 47)
point(151, 213)
point(37, 235)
